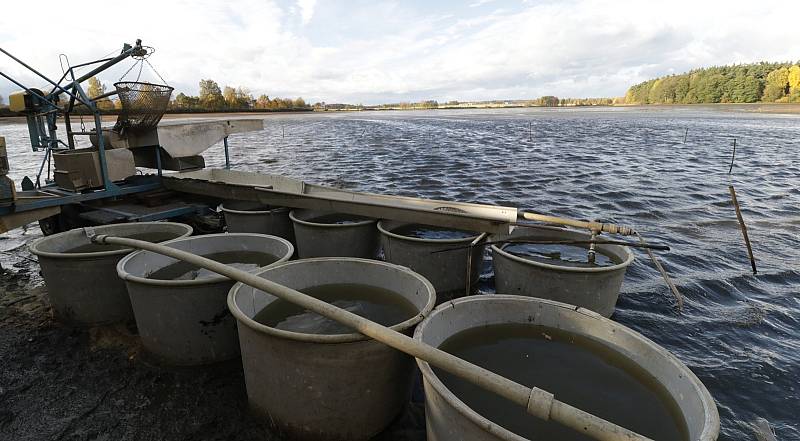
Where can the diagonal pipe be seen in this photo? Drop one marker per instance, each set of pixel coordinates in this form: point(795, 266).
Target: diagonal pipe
point(538, 402)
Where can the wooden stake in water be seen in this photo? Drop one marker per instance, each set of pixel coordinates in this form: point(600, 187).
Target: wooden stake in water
point(685, 134)
point(530, 131)
point(743, 228)
point(733, 156)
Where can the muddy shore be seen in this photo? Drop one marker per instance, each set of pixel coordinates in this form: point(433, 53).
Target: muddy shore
point(79, 384)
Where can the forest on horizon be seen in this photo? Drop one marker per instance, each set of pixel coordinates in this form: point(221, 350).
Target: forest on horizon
point(739, 83)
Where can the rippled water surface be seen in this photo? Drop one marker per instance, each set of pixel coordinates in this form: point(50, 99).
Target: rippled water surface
point(738, 332)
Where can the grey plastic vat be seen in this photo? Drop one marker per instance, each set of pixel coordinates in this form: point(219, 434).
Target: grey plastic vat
point(254, 217)
point(314, 239)
point(333, 387)
point(593, 288)
point(187, 322)
point(449, 418)
point(83, 287)
point(447, 270)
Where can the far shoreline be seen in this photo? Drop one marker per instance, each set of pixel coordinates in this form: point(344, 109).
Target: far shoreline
point(764, 108)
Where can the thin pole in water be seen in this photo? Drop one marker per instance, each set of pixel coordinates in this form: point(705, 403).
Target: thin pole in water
point(283, 132)
point(685, 134)
point(743, 227)
point(530, 131)
point(733, 156)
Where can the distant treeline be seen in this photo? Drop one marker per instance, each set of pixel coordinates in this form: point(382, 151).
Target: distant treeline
point(545, 101)
point(211, 98)
point(742, 83)
point(227, 99)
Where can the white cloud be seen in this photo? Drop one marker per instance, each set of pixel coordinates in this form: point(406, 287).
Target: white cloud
point(306, 9)
point(387, 51)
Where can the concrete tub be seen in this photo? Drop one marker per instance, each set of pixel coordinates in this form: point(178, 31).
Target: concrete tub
point(254, 217)
point(592, 288)
point(83, 287)
point(187, 322)
point(333, 387)
point(449, 418)
point(315, 239)
point(447, 270)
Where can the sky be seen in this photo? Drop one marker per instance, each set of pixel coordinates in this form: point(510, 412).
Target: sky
point(362, 51)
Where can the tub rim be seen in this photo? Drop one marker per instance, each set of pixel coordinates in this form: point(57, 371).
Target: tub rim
point(393, 235)
point(711, 424)
point(33, 247)
point(274, 210)
point(128, 277)
point(569, 269)
point(352, 337)
point(294, 218)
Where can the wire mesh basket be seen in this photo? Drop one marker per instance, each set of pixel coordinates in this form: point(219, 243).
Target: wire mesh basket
point(143, 104)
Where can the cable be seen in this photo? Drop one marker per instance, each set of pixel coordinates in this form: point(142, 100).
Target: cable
point(129, 70)
point(159, 75)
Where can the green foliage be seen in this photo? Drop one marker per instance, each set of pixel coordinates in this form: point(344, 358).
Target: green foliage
point(214, 99)
point(96, 88)
point(548, 101)
point(741, 83)
point(211, 95)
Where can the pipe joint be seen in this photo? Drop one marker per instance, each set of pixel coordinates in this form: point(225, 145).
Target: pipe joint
point(540, 403)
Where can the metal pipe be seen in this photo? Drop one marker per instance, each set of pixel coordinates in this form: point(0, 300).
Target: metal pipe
point(592, 226)
point(538, 402)
point(672, 287)
point(36, 72)
point(126, 52)
point(535, 241)
point(28, 90)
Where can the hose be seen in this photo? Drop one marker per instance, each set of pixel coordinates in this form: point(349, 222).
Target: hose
point(538, 402)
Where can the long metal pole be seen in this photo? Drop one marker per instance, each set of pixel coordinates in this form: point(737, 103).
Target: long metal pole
point(538, 402)
point(38, 73)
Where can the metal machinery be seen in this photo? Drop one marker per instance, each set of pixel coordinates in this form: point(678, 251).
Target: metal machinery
point(99, 185)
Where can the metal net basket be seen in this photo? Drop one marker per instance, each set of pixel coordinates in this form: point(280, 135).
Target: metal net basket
point(143, 104)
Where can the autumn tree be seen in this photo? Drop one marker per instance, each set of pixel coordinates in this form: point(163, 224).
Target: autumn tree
point(210, 95)
point(777, 84)
point(262, 102)
point(96, 88)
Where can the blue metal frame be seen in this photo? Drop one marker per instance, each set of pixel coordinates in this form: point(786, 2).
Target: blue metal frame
point(42, 129)
point(63, 197)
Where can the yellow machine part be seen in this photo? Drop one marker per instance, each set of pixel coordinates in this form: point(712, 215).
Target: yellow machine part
point(16, 101)
point(22, 100)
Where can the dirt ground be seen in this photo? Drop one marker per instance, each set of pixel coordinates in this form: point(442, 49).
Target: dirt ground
point(75, 384)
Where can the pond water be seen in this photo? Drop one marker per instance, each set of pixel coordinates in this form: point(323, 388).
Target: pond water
point(738, 332)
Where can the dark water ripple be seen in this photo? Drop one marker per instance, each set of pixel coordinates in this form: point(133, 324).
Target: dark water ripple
point(738, 332)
